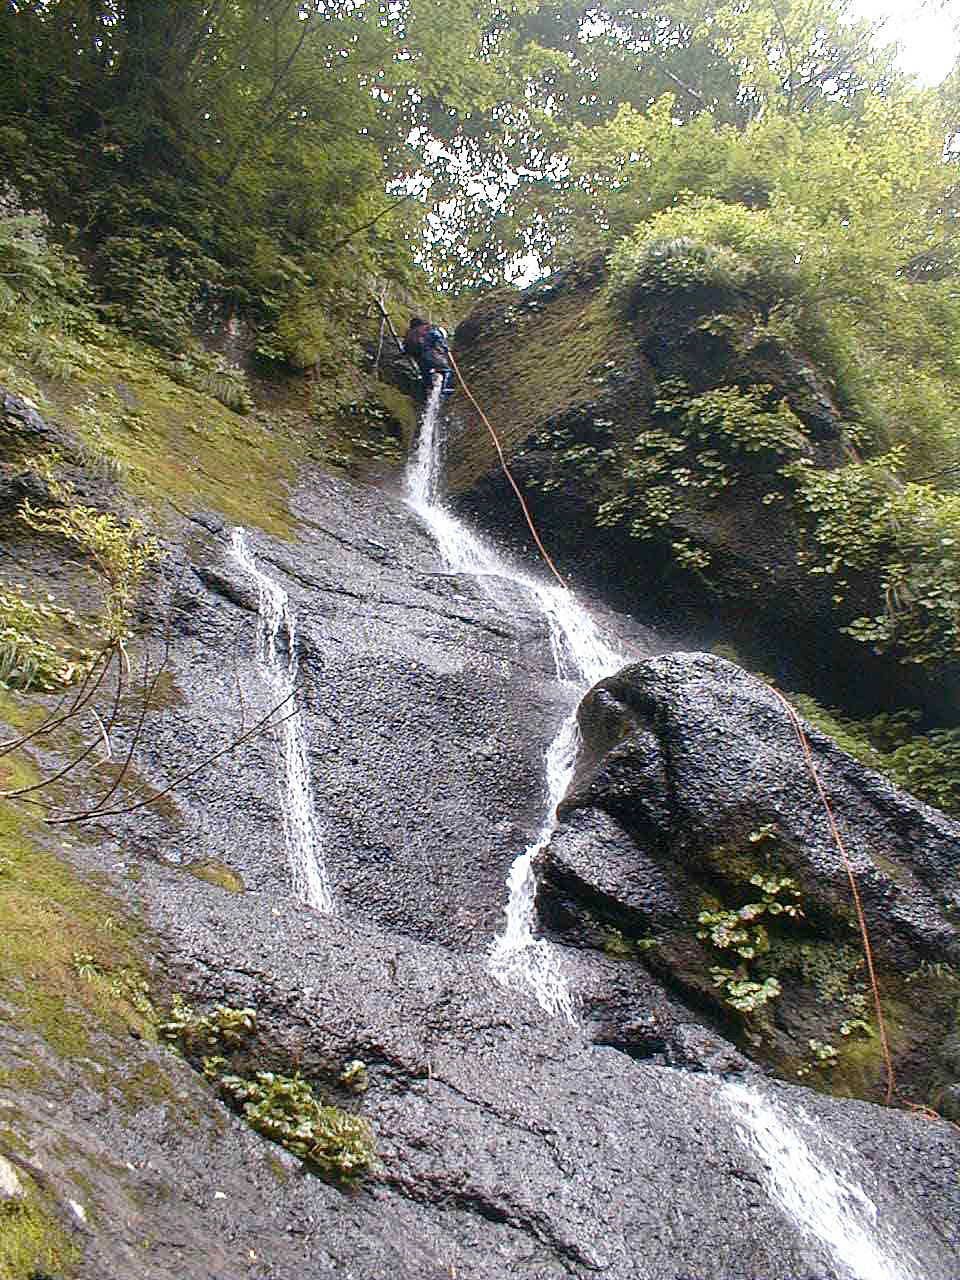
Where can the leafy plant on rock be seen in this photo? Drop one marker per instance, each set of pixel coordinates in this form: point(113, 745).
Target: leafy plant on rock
point(120, 552)
point(743, 933)
point(29, 656)
point(338, 1144)
point(905, 536)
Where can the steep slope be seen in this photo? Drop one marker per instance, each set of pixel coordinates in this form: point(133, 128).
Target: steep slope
point(654, 442)
point(505, 1139)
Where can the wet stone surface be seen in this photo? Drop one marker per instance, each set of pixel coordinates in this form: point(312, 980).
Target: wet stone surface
point(509, 1143)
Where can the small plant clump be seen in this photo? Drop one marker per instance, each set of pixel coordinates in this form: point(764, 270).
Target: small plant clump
point(743, 932)
point(28, 657)
point(123, 983)
point(336, 1143)
point(120, 552)
point(825, 1055)
point(195, 1032)
point(284, 1108)
point(354, 1076)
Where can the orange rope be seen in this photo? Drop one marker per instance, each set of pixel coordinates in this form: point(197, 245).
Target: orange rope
point(864, 933)
point(506, 471)
point(801, 737)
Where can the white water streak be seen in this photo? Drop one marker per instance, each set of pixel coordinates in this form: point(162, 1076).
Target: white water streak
point(828, 1204)
point(581, 657)
point(277, 654)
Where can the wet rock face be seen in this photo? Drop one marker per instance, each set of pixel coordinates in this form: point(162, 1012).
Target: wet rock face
point(427, 704)
point(693, 827)
point(509, 1142)
point(573, 384)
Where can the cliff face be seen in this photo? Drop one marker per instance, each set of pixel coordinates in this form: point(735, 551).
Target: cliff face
point(650, 440)
point(506, 1140)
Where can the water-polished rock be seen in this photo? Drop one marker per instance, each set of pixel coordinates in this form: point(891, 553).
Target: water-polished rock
point(691, 794)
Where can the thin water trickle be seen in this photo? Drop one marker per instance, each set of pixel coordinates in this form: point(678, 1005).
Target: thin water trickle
point(828, 1204)
point(581, 656)
point(277, 654)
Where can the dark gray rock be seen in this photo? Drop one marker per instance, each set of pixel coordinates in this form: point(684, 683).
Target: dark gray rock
point(691, 779)
point(428, 701)
point(508, 1143)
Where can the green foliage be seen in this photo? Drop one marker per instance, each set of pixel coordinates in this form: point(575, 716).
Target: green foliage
point(744, 994)
point(706, 243)
point(142, 292)
point(121, 553)
point(737, 420)
point(338, 1144)
point(925, 764)
point(25, 266)
point(676, 264)
point(743, 932)
point(928, 764)
point(197, 1033)
point(825, 1053)
point(29, 656)
point(214, 376)
point(354, 1076)
point(691, 452)
point(904, 535)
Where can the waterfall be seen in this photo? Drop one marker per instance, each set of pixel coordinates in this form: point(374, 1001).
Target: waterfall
point(830, 1205)
point(277, 655)
point(824, 1202)
point(581, 657)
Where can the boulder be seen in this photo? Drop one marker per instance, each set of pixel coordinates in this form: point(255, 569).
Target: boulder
point(693, 827)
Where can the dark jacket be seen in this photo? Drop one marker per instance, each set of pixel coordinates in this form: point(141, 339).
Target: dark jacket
point(413, 343)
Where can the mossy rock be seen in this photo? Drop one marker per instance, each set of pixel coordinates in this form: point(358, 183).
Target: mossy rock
point(215, 872)
point(33, 1239)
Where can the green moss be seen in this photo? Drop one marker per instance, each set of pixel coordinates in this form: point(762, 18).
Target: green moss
point(615, 944)
point(48, 915)
point(10, 1139)
point(400, 407)
point(33, 1239)
point(215, 872)
point(279, 1171)
point(539, 364)
point(175, 444)
point(859, 1070)
point(18, 712)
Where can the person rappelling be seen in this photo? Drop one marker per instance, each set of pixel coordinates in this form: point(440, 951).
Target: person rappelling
point(427, 344)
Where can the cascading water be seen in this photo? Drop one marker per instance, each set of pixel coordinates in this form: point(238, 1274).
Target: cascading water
point(277, 654)
point(581, 658)
point(828, 1204)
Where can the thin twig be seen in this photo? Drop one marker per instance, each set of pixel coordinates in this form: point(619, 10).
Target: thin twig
point(52, 721)
point(106, 736)
point(259, 727)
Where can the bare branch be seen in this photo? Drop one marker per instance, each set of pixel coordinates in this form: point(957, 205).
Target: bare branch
point(53, 720)
point(261, 726)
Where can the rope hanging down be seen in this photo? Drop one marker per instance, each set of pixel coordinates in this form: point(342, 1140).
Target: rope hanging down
point(506, 471)
point(791, 713)
point(854, 889)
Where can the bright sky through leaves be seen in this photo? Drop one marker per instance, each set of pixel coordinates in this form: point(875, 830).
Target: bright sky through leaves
point(925, 32)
